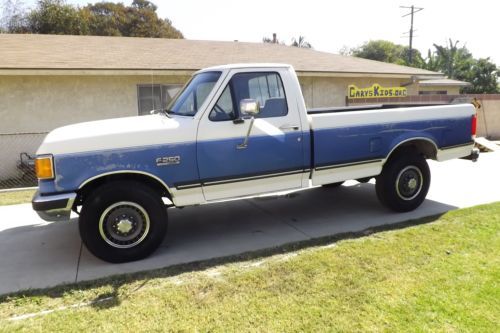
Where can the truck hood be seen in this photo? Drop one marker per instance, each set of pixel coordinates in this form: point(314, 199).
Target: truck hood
point(117, 133)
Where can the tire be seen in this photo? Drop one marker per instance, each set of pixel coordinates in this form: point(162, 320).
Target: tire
point(332, 185)
point(123, 221)
point(404, 182)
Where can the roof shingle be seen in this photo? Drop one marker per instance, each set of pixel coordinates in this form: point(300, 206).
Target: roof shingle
point(126, 53)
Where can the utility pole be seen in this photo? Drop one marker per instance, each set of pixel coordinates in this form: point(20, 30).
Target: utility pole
point(413, 10)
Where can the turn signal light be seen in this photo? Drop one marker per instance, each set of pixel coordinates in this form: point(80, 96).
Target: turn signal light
point(44, 167)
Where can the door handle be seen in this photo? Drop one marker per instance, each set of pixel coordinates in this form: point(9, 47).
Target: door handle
point(290, 127)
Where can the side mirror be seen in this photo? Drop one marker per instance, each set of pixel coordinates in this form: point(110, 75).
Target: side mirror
point(249, 107)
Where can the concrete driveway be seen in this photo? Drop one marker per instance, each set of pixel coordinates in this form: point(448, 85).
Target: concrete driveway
point(36, 254)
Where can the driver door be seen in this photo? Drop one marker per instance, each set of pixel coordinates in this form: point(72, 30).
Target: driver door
point(273, 158)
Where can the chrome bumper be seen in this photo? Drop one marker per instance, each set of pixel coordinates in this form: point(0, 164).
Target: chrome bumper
point(55, 207)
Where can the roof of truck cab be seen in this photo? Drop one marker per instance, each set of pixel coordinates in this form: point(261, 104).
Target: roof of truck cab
point(87, 53)
point(246, 65)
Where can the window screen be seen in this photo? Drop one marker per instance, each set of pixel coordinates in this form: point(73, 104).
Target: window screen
point(156, 96)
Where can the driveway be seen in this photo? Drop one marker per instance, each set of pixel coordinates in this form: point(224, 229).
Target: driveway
point(36, 254)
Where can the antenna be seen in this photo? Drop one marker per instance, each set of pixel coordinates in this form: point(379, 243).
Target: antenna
point(413, 10)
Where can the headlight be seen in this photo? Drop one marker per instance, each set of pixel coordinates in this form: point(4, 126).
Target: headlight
point(44, 167)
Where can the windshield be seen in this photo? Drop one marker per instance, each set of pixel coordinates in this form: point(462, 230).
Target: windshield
point(194, 94)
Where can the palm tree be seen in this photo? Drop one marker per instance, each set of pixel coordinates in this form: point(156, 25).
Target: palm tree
point(301, 42)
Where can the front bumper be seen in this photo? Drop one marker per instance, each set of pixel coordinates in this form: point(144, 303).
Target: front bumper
point(56, 207)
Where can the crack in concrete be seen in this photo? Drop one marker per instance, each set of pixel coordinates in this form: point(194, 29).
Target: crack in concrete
point(265, 211)
point(78, 262)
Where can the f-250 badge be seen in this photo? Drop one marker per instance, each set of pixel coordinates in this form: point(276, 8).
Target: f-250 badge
point(168, 160)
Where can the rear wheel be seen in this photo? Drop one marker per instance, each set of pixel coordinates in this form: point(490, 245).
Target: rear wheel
point(123, 221)
point(404, 182)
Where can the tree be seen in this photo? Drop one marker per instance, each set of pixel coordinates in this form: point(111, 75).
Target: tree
point(57, 18)
point(144, 22)
point(484, 77)
point(386, 51)
point(451, 60)
point(106, 18)
point(301, 42)
point(13, 16)
point(102, 19)
point(458, 63)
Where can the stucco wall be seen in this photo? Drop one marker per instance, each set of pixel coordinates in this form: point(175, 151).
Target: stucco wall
point(33, 105)
point(42, 103)
point(488, 119)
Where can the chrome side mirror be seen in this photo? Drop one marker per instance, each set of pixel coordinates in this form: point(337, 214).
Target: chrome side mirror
point(249, 107)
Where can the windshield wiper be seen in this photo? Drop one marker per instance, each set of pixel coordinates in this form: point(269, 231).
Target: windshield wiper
point(167, 112)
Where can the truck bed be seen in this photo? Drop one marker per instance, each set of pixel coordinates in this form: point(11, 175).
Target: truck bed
point(352, 140)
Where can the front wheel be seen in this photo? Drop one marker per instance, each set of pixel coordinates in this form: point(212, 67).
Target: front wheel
point(404, 182)
point(123, 221)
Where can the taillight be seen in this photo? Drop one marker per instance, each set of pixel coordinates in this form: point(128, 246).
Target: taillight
point(474, 125)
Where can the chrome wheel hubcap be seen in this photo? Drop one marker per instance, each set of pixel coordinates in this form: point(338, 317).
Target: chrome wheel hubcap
point(409, 183)
point(124, 224)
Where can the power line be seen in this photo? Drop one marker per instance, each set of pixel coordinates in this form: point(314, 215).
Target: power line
point(413, 10)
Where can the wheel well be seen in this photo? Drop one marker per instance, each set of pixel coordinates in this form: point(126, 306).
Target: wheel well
point(424, 147)
point(156, 185)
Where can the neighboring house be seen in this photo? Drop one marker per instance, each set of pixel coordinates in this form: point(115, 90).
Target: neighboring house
point(48, 81)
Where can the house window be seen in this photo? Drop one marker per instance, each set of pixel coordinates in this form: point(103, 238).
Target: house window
point(435, 92)
point(155, 96)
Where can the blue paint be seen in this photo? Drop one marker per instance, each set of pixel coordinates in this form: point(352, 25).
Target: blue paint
point(351, 144)
point(220, 159)
point(264, 154)
point(74, 169)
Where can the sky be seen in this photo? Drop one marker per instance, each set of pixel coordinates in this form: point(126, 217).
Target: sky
point(332, 25)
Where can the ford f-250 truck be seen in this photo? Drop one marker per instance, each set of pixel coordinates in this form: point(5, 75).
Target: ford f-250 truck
point(235, 131)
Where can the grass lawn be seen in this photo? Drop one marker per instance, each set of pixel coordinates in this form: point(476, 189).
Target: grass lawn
point(440, 274)
point(16, 197)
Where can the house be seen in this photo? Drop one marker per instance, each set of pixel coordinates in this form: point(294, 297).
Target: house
point(47, 81)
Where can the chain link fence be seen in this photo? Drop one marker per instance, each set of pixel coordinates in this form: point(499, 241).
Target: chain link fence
point(17, 152)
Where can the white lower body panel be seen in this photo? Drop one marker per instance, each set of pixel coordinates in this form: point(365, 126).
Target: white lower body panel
point(328, 175)
point(245, 187)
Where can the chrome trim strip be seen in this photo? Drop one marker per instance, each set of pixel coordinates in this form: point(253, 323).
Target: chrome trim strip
point(188, 186)
point(235, 180)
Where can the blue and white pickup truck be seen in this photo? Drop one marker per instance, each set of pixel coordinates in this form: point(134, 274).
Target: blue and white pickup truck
point(235, 131)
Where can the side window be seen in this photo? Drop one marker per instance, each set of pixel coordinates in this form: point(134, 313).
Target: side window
point(267, 88)
point(224, 109)
point(194, 100)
